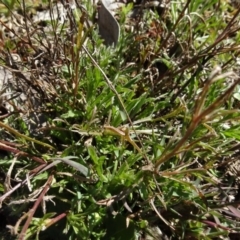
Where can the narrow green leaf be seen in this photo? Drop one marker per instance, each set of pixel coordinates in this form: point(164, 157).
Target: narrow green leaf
point(93, 154)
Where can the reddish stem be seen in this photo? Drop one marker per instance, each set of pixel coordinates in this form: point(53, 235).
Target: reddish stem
point(33, 210)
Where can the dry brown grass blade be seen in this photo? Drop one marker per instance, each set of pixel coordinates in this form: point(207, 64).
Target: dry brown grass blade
point(20, 153)
point(198, 117)
point(33, 210)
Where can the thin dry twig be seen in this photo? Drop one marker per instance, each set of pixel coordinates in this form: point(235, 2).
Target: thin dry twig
point(33, 173)
point(198, 117)
point(33, 210)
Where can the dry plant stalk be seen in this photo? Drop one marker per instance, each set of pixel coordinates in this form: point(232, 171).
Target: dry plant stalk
point(199, 115)
point(33, 210)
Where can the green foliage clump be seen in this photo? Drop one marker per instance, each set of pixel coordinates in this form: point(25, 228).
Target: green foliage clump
point(139, 139)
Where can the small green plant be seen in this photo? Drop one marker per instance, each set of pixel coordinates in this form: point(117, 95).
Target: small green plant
point(136, 140)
